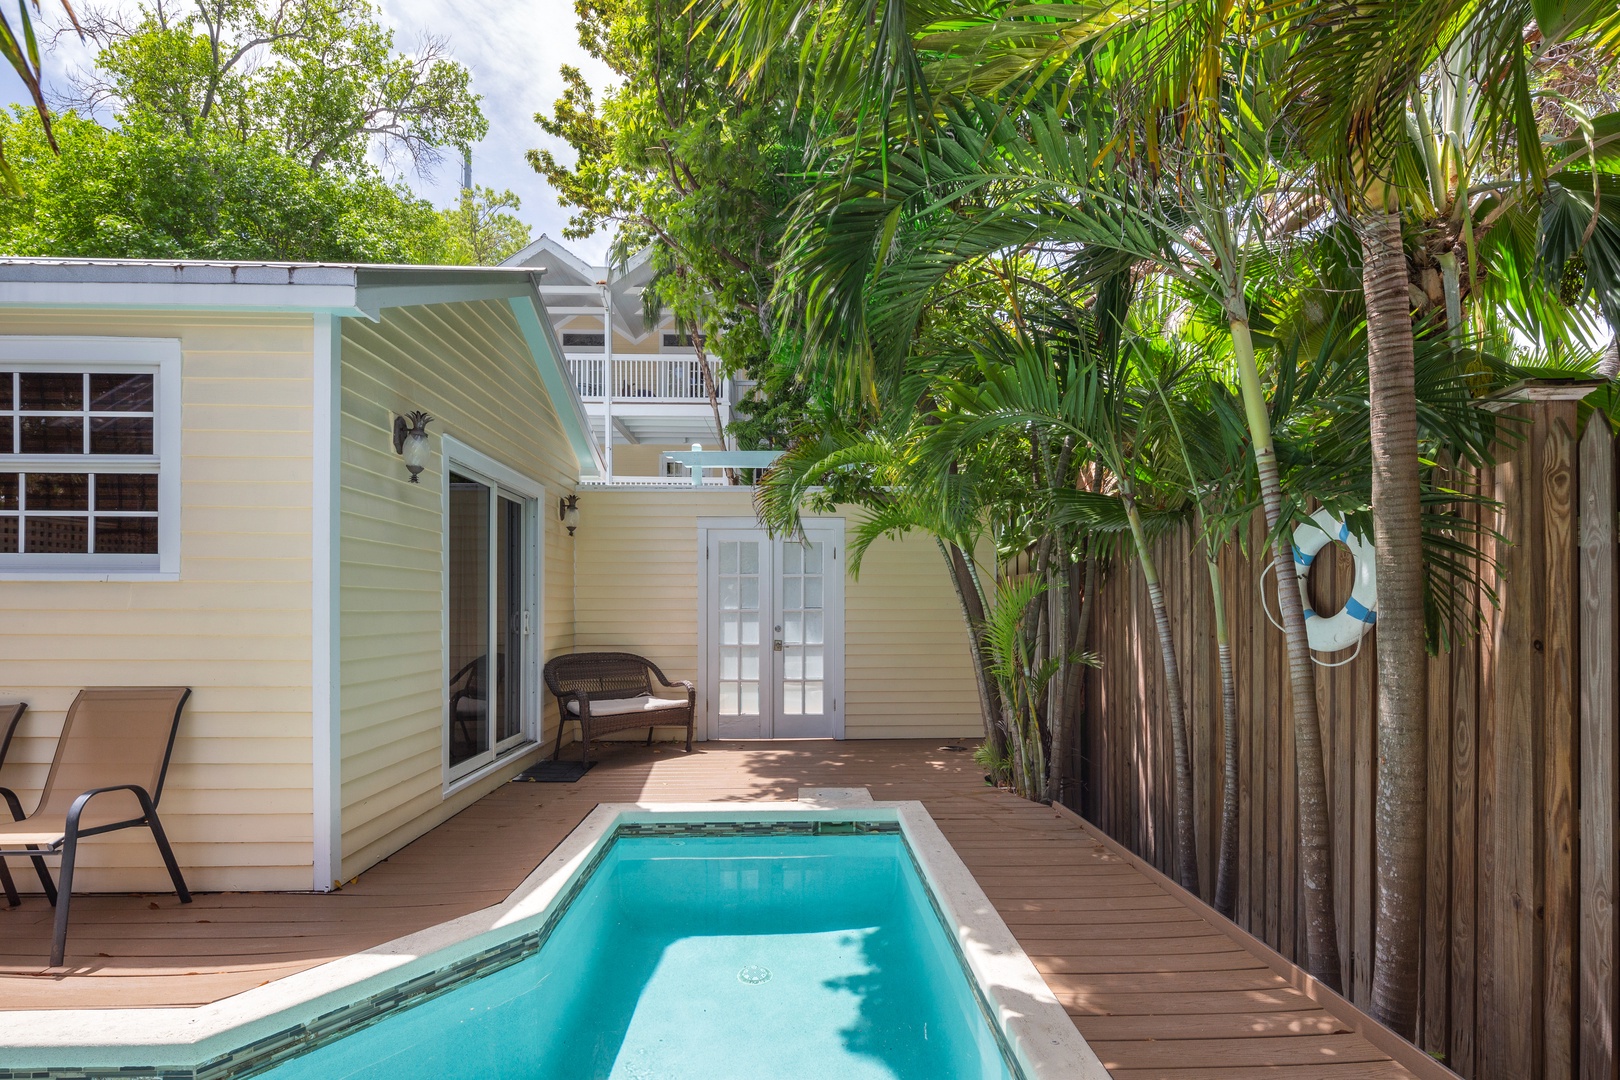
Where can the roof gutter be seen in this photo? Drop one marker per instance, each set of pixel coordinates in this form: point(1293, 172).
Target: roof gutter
point(345, 290)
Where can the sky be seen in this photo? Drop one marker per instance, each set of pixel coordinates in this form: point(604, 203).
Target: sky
point(513, 51)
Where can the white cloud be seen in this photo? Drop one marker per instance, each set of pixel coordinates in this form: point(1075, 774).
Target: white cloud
point(513, 50)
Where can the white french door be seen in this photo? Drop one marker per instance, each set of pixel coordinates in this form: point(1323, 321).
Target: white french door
point(773, 621)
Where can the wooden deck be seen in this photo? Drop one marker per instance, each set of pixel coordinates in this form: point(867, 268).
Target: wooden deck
point(1158, 985)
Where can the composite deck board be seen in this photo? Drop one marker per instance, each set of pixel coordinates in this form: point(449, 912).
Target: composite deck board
point(1157, 986)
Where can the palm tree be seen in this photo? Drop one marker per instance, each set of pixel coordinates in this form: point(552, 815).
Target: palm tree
point(1197, 415)
point(870, 247)
point(1091, 398)
point(964, 503)
point(832, 462)
point(1359, 66)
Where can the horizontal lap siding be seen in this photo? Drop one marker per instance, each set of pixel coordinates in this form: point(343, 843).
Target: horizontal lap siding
point(636, 572)
point(907, 666)
point(235, 627)
point(908, 670)
point(468, 366)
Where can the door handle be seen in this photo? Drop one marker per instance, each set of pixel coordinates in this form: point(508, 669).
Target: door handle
point(777, 645)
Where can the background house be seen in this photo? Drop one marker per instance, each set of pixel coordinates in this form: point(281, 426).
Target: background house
point(365, 651)
point(658, 399)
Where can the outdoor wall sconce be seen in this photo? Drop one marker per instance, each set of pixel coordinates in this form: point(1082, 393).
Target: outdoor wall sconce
point(411, 440)
point(568, 512)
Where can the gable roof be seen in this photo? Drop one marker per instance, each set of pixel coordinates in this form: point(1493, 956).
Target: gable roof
point(345, 290)
point(572, 278)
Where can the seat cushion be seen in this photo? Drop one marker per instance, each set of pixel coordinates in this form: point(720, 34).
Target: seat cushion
point(619, 706)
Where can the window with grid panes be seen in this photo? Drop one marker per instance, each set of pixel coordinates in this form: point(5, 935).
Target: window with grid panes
point(80, 467)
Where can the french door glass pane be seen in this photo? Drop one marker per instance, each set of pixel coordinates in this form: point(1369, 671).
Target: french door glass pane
point(469, 550)
point(803, 674)
point(740, 616)
point(509, 619)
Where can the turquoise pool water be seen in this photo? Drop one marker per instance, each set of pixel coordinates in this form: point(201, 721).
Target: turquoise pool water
point(707, 958)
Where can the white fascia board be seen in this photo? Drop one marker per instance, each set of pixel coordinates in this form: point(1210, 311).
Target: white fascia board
point(372, 299)
point(338, 299)
point(535, 326)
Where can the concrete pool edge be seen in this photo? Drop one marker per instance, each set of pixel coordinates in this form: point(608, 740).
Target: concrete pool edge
point(207, 1038)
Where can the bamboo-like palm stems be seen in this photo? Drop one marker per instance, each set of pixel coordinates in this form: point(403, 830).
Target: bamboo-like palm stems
point(1186, 833)
point(971, 602)
point(1227, 857)
point(1315, 831)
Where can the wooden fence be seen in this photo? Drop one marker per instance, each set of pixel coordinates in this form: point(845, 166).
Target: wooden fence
point(1520, 939)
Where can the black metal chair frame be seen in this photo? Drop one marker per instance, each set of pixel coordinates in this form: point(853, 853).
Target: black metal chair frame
point(13, 722)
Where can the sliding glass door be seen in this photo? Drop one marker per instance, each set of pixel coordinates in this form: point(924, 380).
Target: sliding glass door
point(490, 606)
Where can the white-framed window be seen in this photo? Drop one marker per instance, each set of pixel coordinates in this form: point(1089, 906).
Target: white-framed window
point(89, 457)
point(492, 590)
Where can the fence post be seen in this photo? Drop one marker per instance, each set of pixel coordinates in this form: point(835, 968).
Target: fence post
point(1600, 796)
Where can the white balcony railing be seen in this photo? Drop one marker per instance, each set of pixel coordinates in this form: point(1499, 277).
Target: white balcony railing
point(641, 378)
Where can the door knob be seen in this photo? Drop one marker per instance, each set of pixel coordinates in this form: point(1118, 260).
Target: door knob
point(777, 644)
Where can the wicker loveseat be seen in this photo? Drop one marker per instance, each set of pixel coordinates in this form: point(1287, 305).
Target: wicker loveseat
point(611, 691)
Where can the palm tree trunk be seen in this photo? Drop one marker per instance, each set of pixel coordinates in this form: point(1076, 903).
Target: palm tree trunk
point(972, 605)
point(1226, 864)
point(1063, 749)
point(1398, 537)
point(1057, 688)
point(1315, 832)
point(1012, 718)
point(1186, 833)
point(1226, 860)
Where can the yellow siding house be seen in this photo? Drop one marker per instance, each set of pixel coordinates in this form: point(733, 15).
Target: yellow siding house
point(220, 476)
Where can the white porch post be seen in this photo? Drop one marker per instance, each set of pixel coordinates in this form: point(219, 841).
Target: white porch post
point(326, 708)
point(607, 373)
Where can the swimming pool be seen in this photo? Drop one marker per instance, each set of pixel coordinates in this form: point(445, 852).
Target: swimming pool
point(818, 938)
point(708, 958)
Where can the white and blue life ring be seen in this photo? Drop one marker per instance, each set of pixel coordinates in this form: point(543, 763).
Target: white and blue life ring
point(1330, 633)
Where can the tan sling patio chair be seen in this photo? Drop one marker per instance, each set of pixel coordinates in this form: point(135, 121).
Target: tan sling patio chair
point(107, 775)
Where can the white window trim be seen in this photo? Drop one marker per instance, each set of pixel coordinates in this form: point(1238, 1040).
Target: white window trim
point(54, 353)
point(457, 454)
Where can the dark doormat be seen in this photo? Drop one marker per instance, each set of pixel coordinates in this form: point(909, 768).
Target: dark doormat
point(554, 772)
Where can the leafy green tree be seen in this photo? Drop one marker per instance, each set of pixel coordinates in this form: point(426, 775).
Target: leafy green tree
point(481, 229)
point(116, 194)
point(674, 156)
point(321, 80)
point(1093, 400)
point(246, 129)
point(20, 45)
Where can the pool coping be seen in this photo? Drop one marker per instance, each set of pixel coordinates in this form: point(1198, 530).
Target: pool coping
point(180, 1041)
